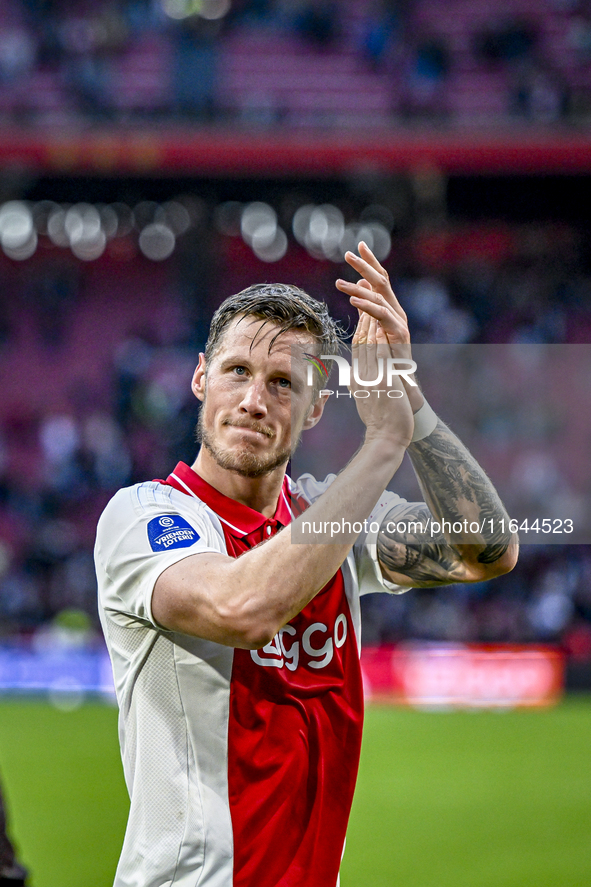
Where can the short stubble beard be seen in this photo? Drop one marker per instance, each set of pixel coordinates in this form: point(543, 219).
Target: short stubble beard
point(242, 461)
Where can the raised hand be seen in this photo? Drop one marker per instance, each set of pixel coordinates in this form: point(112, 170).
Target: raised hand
point(384, 408)
point(374, 295)
point(380, 312)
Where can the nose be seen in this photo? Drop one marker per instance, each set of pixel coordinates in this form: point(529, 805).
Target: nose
point(254, 400)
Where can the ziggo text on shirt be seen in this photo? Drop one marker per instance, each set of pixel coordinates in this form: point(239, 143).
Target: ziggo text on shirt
point(314, 644)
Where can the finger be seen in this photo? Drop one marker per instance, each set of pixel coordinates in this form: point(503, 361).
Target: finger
point(375, 274)
point(369, 257)
point(394, 325)
point(372, 351)
point(383, 346)
point(384, 351)
point(375, 277)
point(374, 304)
point(360, 337)
point(363, 291)
point(366, 352)
point(367, 254)
point(362, 328)
point(381, 335)
point(368, 293)
point(344, 285)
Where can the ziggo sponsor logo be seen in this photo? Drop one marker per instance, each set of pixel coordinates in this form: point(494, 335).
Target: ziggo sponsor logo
point(281, 653)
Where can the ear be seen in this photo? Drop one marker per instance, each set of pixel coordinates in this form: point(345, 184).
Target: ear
point(315, 412)
point(198, 383)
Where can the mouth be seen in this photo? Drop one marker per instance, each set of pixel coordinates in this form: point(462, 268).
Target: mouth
point(253, 428)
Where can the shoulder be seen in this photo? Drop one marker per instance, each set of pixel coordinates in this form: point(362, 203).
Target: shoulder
point(140, 497)
point(152, 508)
point(130, 504)
point(148, 498)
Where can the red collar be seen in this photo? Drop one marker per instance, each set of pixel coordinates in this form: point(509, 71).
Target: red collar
point(239, 518)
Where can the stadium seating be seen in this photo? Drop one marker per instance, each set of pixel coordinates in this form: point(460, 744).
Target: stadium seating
point(268, 74)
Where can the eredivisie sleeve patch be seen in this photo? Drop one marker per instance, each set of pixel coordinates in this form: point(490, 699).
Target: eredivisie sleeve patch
point(170, 531)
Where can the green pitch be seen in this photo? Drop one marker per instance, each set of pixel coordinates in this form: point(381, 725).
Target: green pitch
point(444, 800)
point(473, 799)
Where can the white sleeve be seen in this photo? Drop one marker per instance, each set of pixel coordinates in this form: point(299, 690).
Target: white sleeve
point(143, 531)
point(365, 549)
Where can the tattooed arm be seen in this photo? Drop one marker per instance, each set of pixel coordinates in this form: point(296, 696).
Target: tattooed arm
point(454, 485)
point(456, 490)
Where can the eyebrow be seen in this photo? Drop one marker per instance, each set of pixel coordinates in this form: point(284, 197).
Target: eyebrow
point(235, 359)
point(246, 360)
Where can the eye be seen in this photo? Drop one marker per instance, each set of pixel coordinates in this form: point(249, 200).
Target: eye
point(284, 383)
point(240, 371)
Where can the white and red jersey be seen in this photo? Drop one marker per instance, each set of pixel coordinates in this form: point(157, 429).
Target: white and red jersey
point(240, 764)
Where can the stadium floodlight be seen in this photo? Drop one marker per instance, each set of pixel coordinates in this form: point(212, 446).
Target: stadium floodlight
point(270, 251)
point(16, 225)
point(82, 222)
point(109, 220)
point(259, 219)
point(373, 233)
point(382, 242)
point(326, 229)
point(90, 246)
point(175, 215)
point(300, 224)
point(157, 242)
point(55, 227)
point(24, 251)
point(17, 230)
point(83, 225)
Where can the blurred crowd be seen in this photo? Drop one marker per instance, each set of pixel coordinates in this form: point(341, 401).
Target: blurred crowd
point(96, 361)
point(130, 60)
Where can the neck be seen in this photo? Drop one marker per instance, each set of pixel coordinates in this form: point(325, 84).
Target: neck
point(259, 493)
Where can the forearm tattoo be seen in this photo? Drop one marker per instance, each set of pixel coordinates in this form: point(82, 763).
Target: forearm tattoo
point(425, 559)
point(457, 491)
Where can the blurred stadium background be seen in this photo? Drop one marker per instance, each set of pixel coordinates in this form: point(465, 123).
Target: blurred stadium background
point(158, 155)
